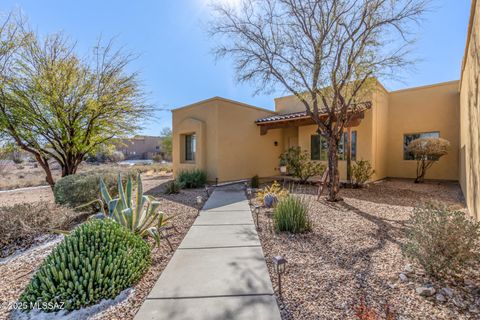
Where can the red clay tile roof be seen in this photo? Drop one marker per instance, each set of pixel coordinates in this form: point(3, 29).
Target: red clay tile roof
point(285, 116)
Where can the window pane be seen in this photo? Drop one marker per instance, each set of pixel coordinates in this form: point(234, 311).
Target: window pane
point(407, 138)
point(190, 147)
point(323, 149)
point(315, 147)
point(341, 148)
point(354, 145)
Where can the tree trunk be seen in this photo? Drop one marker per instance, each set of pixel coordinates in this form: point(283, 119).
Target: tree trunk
point(46, 167)
point(334, 176)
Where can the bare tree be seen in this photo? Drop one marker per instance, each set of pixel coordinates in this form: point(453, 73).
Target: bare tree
point(57, 106)
point(328, 53)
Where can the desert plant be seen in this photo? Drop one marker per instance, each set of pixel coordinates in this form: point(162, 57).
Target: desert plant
point(23, 223)
point(96, 261)
point(291, 214)
point(173, 187)
point(362, 171)
point(142, 218)
point(275, 190)
point(116, 156)
point(78, 189)
point(299, 164)
point(255, 182)
point(427, 151)
point(191, 179)
point(442, 241)
point(364, 312)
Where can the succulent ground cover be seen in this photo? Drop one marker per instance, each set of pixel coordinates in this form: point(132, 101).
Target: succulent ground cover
point(18, 270)
point(353, 254)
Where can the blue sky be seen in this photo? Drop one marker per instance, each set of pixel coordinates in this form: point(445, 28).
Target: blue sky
point(176, 64)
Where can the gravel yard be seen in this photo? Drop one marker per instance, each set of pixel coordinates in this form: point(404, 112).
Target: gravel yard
point(354, 253)
point(17, 270)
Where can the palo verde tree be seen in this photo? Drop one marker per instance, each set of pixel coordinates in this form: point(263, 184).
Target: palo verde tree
point(327, 53)
point(60, 107)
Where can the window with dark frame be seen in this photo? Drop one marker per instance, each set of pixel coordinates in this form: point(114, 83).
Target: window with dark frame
point(409, 137)
point(319, 147)
point(190, 147)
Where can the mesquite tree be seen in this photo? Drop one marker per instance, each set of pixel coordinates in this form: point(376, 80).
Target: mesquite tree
point(60, 107)
point(327, 53)
point(427, 151)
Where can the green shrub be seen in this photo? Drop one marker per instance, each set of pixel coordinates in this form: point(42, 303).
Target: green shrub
point(442, 241)
point(255, 182)
point(299, 164)
point(291, 214)
point(362, 171)
point(98, 260)
point(191, 179)
point(77, 189)
point(173, 187)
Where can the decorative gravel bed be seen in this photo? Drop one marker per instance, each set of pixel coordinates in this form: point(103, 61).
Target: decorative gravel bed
point(354, 253)
point(17, 271)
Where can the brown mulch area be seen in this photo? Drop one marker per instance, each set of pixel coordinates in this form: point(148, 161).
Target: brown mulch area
point(354, 253)
point(18, 270)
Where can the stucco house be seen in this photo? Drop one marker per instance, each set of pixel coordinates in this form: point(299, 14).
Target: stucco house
point(140, 147)
point(232, 140)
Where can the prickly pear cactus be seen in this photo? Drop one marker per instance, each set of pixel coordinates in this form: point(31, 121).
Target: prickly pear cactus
point(270, 200)
point(96, 261)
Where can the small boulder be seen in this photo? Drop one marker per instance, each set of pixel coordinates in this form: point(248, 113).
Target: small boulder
point(403, 277)
point(440, 297)
point(447, 292)
point(408, 268)
point(426, 291)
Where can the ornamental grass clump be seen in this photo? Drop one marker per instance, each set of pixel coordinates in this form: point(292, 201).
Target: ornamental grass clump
point(291, 214)
point(97, 261)
point(442, 241)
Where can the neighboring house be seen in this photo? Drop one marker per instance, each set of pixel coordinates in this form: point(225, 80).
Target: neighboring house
point(141, 147)
point(232, 140)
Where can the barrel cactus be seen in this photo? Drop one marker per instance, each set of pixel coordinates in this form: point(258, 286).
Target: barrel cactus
point(96, 261)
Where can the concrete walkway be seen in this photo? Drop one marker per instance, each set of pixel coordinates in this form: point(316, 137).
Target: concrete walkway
point(219, 270)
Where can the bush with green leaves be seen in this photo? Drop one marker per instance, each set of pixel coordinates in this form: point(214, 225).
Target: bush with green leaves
point(77, 189)
point(97, 261)
point(362, 171)
point(291, 214)
point(442, 241)
point(173, 187)
point(299, 164)
point(191, 179)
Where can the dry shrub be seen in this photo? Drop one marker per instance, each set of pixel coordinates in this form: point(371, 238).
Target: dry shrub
point(23, 223)
point(442, 241)
point(426, 151)
point(364, 312)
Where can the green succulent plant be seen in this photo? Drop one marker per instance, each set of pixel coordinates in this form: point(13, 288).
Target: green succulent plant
point(98, 260)
point(140, 216)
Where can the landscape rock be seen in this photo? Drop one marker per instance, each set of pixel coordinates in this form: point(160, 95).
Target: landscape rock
point(447, 292)
point(440, 297)
point(403, 277)
point(425, 291)
point(408, 268)
point(459, 303)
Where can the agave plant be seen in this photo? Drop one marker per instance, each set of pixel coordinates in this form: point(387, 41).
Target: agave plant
point(141, 217)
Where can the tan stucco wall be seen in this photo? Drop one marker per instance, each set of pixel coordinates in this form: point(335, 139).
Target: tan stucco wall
point(364, 142)
point(424, 109)
point(470, 116)
point(229, 144)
